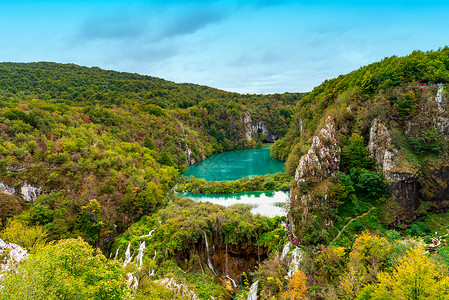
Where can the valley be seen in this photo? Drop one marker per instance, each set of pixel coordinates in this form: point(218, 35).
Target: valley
point(349, 200)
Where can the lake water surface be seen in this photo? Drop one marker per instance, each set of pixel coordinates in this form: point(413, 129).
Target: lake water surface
point(237, 164)
point(233, 165)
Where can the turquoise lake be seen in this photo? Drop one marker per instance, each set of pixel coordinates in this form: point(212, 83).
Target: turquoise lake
point(233, 165)
point(237, 164)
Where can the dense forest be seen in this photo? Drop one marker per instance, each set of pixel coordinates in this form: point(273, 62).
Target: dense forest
point(122, 139)
point(100, 154)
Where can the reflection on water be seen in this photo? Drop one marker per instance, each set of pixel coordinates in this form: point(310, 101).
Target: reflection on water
point(233, 165)
point(265, 202)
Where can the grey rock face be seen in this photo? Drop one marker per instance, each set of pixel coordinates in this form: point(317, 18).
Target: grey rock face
point(14, 256)
point(254, 128)
point(323, 158)
point(6, 189)
point(29, 192)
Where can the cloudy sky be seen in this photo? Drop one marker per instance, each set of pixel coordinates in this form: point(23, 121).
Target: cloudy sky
point(244, 46)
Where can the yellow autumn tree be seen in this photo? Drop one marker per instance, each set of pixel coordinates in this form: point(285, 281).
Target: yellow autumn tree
point(415, 277)
point(297, 286)
point(369, 254)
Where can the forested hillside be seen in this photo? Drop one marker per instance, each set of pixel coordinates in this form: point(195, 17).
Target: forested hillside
point(102, 148)
point(389, 141)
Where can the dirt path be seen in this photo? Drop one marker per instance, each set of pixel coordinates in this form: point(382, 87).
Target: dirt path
point(353, 219)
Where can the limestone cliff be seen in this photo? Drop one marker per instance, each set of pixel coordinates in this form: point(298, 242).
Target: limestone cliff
point(416, 187)
point(254, 128)
point(28, 192)
point(316, 168)
point(323, 158)
point(10, 255)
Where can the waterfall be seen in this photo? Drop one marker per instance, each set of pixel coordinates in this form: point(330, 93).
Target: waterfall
point(285, 250)
point(252, 295)
point(294, 265)
point(208, 256)
point(147, 235)
point(139, 255)
point(128, 256)
point(233, 282)
point(226, 269)
point(133, 282)
point(116, 252)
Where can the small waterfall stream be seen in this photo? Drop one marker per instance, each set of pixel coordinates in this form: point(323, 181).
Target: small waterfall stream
point(252, 295)
point(139, 255)
point(226, 269)
point(147, 235)
point(296, 259)
point(128, 256)
point(209, 264)
point(285, 250)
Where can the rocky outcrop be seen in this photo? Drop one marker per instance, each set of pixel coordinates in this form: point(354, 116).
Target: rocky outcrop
point(403, 178)
point(10, 255)
point(405, 188)
point(315, 170)
point(323, 158)
point(179, 289)
point(380, 147)
point(233, 260)
point(190, 155)
point(28, 192)
point(6, 189)
point(409, 187)
point(443, 120)
point(253, 129)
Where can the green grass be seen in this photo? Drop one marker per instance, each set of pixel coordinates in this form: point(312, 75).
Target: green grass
point(438, 222)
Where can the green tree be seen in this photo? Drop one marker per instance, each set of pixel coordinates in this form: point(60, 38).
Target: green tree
point(20, 233)
point(354, 155)
point(90, 219)
point(69, 269)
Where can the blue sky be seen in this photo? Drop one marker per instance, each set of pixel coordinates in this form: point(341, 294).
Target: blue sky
point(244, 46)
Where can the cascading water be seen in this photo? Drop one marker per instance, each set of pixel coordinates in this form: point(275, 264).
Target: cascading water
point(132, 281)
point(285, 250)
point(147, 235)
point(226, 269)
point(209, 264)
point(294, 264)
point(116, 252)
point(128, 256)
point(139, 256)
point(252, 295)
point(232, 281)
